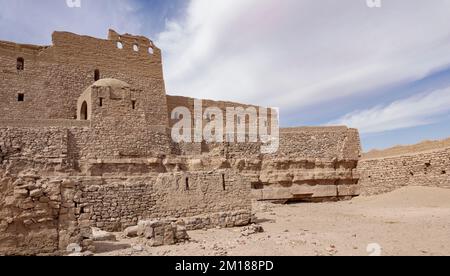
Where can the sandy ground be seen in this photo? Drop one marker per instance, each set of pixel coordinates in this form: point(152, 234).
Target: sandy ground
point(411, 221)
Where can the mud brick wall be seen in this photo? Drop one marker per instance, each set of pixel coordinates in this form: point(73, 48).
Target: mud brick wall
point(385, 174)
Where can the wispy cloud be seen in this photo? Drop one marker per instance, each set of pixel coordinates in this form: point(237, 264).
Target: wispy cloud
point(297, 54)
point(418, 110)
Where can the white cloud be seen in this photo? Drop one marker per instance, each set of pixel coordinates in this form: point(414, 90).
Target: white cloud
point(301, 53)
point(422, 109)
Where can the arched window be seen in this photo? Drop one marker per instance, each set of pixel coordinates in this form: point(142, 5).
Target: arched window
point(136, 47)
point(151, 51)
point(119, 45)
point(84, 111)
point(20, 64)
point(96, 75)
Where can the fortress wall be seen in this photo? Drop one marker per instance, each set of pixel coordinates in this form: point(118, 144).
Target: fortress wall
point(178, 101)
point(33, 143)
point(55, 76)
point(29, 123)
point(405, 166)
point(320, 142)
point(53, 147)
point(112, 140)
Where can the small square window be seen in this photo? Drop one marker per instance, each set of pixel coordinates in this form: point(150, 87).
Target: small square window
point(21, 97)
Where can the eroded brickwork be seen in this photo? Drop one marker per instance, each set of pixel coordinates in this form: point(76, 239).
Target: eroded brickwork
point(77, 152)
point(426, 164)
point(54, 76)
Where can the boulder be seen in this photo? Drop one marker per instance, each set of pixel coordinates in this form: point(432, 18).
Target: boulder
point(100, 235)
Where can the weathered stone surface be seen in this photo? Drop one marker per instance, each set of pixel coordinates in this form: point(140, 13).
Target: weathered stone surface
point(252, 229)
point(426, 164)
point(97, 137)
point(99, 235)
point(163, 232)
point(131, 231)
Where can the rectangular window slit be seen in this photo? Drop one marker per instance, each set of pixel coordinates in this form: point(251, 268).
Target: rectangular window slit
point(224, 185)
point(21, 97)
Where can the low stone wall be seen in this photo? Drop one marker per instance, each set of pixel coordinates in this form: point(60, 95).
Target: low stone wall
point(384, 174)
point(115, 204)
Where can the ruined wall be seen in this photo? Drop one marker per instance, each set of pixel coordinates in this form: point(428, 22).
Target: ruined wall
point(57, 75)
point(39, 215)
point(178, 101)
point(44, 149)
point(311, 164)
point(425, 164)
point(116, 203)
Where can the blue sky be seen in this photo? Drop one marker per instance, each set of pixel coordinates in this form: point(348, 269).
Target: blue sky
point(385, 71)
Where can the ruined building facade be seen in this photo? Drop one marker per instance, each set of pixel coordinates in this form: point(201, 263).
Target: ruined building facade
point(85, 142)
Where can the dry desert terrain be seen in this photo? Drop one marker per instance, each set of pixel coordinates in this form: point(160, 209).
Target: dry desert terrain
point(409, 221)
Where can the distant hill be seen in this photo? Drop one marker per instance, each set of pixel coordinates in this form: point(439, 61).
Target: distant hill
point(408, 149)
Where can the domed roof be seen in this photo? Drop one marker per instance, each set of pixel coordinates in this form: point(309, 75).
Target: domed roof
point(111, 83)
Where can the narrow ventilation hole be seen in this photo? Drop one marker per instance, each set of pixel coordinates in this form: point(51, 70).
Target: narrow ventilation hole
point(224, 184)
point(96, 75)
point(187, 183)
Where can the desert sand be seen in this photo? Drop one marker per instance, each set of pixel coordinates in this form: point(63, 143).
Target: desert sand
point(410, 221)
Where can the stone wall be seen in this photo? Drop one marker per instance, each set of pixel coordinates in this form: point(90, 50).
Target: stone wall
point(38, 215)
point(116, 203)
point(44, 214)
point(55, 76)
point(426, 164)
point(44, 149)
point(313, 163)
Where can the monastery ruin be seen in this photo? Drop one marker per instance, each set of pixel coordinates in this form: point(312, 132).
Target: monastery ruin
point(85, 141)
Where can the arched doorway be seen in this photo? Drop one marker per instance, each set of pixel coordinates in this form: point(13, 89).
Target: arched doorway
point(84, 111)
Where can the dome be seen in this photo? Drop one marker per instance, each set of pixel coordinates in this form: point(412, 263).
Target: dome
point(114, 83)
